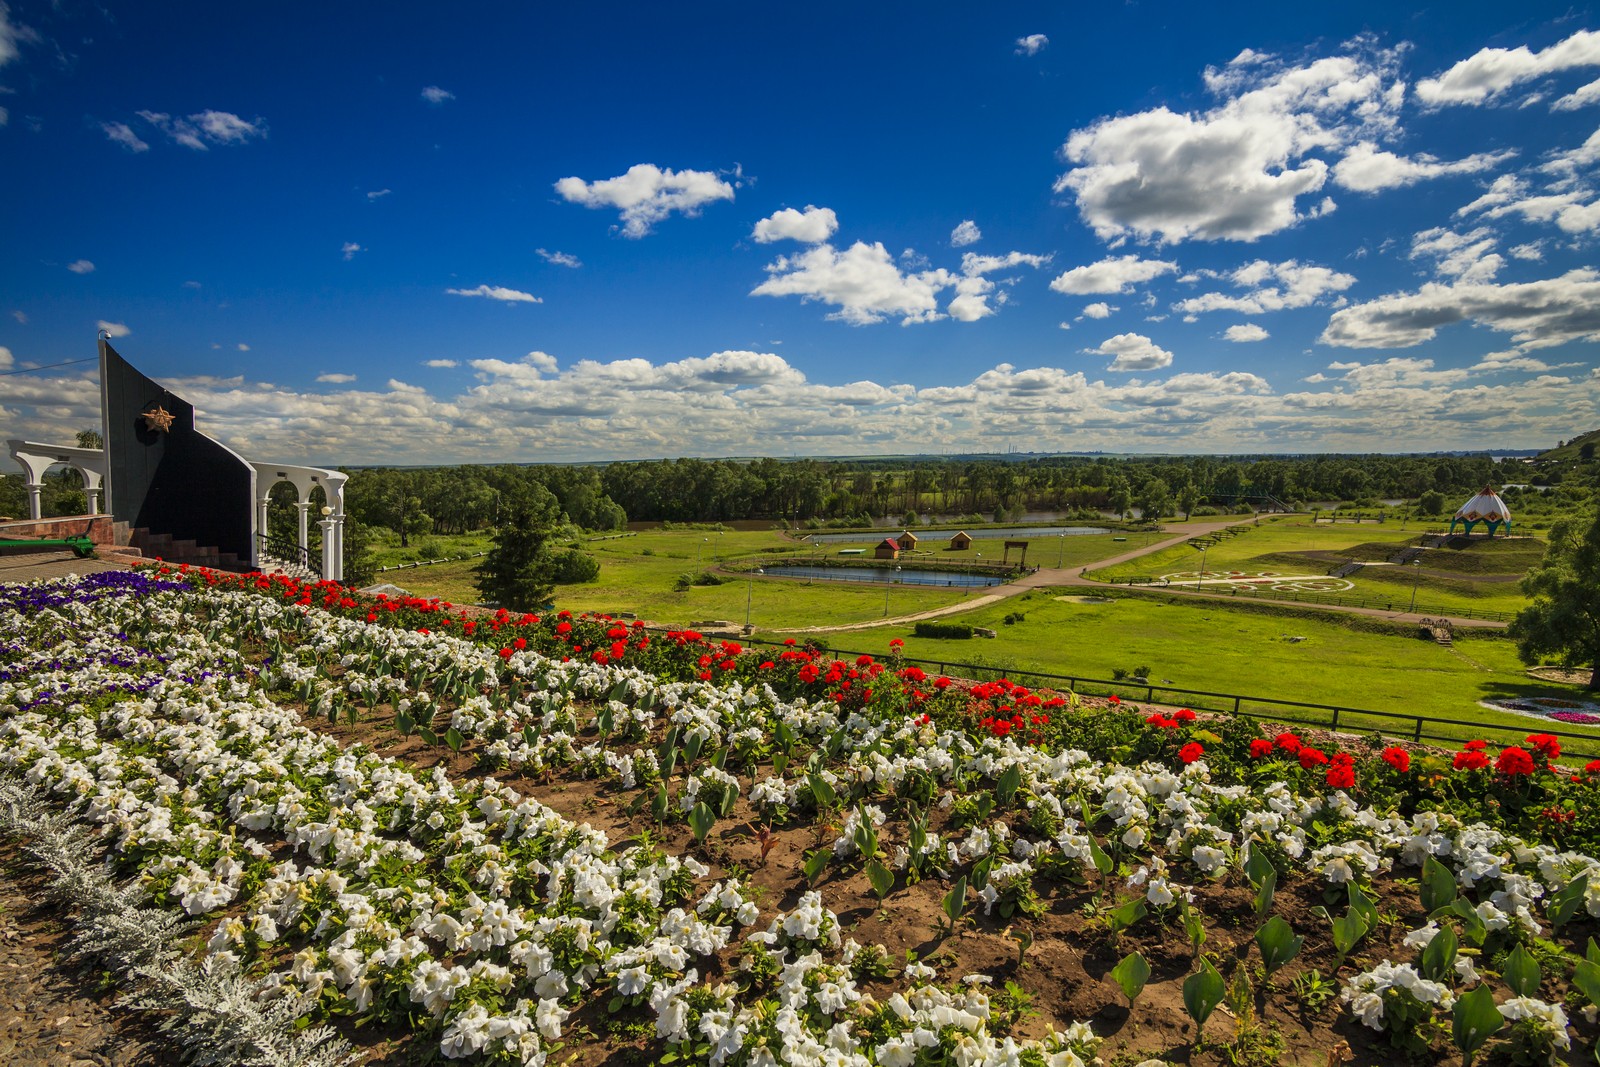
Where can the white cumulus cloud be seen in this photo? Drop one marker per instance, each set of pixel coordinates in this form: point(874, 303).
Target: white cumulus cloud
point(965, 233)
point(1245, 333)
point(496, 292)
point(1366, 168)
point(1032, 44)
point(336, 379)
point(350, 249)
point(862, 281)
point(1270, 287)
point(435, 95)
point(811, 226)
point(1488, 73)
point(378, 194)
point(1098, 310)
point(1112, 275)
point(81, 266)
point(647, 194)
point(440, 363)
point(1537, 314)
point(1237, 171)
point(1133, 352)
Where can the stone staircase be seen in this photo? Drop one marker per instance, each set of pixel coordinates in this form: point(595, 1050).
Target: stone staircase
point(135, 543)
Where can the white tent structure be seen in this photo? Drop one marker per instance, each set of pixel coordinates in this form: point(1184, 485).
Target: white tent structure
point(1487, 508)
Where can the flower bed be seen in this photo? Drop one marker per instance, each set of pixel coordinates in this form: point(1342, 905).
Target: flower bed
point(520, 839)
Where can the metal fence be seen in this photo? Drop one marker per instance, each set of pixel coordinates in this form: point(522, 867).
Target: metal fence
point(1386, 603)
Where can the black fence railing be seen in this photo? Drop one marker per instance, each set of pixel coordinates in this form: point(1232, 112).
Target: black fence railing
point(288, 552)
point(1390, 724)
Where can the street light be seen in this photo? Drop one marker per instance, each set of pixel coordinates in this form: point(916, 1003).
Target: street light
point(700, 554)
point(1202, 579)
point(1061, 557)
point(1416, 579)
point(749, 591)
point(887, 589)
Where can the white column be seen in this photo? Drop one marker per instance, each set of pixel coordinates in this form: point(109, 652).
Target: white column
point(329, 553)
point(303, 506)
point(33, 500)
point(338, 547)
point(261, 516)
point(91, 497)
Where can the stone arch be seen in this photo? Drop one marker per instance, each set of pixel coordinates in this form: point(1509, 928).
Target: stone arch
point(306, 480)
point(37, 458)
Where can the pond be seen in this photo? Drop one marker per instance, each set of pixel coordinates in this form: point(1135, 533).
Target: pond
point(905, 576)
point(937, 536)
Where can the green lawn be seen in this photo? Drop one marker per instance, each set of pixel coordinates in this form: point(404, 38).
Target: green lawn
point(1218, 649)
point(1448, 580)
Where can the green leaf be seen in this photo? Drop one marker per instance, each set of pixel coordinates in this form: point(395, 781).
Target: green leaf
point(1586, 977)
point(725, 806)
point(1266, 889)
point(404, 723)
point(866, 835)
point(955, 901)
point(1359, 901)
point(453, 738)
point(1565, 904)
point(815, 863)
point(780, 761)
point(1522, 973)
point(1131, 974)
point(1257, 867)
point(1439, 958)
point(1010, 782)
point(1278, 943)
point(661, 803)
point(605, 721)
point(428, 736)
point(980, 873)
point(1194, 924)
point(881, 877)
point(1348, 930)
point(1102, 861)
point(826, 797)
point(1202, 992)
point(530, 736)
point(691, 747)
point(352, 714)
point(1125, 916)
point(1474, 1020)
point(1438, 885)
point(1471, 922)
point(701, 819)
point(1591, 952)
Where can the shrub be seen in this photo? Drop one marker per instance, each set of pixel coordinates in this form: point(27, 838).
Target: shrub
point(954, 630)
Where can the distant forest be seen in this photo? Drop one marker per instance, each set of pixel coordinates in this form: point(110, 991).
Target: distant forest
point(813, 492)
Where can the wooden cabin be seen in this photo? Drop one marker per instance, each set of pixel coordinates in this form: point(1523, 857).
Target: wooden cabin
point(888, 548)
point(961, 541)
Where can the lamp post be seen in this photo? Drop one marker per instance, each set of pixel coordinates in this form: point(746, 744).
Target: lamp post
point(700, 553)
point(1062, 555)
point(1202, 579)
point(1416, 579)
point(889, 588)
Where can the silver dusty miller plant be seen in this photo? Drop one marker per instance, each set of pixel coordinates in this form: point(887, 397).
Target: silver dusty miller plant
point(215, 1014)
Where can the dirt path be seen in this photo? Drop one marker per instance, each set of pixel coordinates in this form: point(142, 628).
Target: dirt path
point(1057, 577)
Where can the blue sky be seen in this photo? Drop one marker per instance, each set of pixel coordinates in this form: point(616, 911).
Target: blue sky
point(491, 232)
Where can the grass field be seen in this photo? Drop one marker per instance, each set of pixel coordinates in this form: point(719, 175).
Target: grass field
point(1221, 649)
point(1481, 577)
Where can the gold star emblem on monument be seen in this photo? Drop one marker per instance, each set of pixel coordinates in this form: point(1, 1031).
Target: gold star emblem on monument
point(159, 419)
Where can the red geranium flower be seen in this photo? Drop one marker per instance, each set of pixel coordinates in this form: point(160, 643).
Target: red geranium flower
point(1514, 761)
point(1470, 760)
point(1475, 746)
point(1260, 747)
point(1311, 757)
point(1288, 742)
point(1191, 752)
point(1398, 758)
point(1546, 744)
point(1183, 715)
point(1115, 699)
point(1341, 776)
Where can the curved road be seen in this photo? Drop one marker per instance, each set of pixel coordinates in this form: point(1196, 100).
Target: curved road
point(1059, 577)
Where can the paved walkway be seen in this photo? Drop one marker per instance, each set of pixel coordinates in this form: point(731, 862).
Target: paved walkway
point(33, 566)
point(1072, 577)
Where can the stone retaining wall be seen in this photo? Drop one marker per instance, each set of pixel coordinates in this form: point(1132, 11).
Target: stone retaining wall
point(96, 527)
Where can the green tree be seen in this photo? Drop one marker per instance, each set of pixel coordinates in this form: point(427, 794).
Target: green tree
point(1430, 502)
point(1564, 618)
point(518, 573)
point(90, 439)
point(1189, 498)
